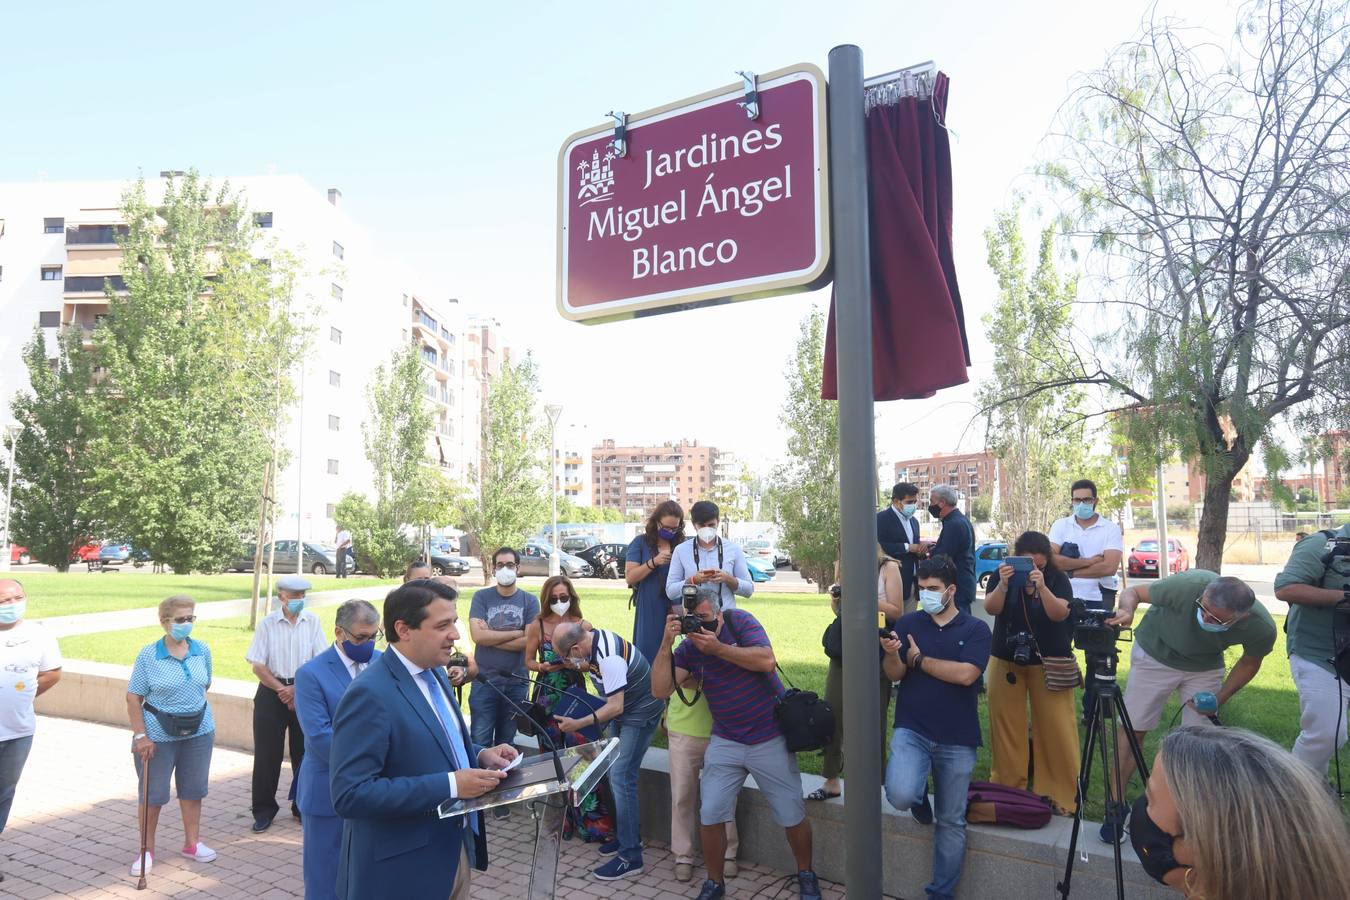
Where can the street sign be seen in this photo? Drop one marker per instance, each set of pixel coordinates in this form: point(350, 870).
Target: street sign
point(706, 204)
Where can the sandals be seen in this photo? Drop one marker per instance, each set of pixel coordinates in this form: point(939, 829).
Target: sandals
point(821, 794)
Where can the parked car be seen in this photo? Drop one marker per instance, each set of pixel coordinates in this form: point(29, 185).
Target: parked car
point(118, 553)
point(87, 552)
point(320, 559)
point(534, 561)
point(445, 564)
point(761, 549)
point(761, 569)
point(606, 560)
point(19, 556)
point(445, 546)
point(1144, 558)
point(988, 557)
point(577, 542)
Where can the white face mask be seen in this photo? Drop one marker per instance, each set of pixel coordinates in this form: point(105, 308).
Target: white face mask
point(506, 577)
point(707, 534)
point(560, 607)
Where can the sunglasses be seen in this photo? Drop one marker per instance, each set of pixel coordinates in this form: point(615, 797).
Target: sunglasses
point(561, 597)
point(183, 620)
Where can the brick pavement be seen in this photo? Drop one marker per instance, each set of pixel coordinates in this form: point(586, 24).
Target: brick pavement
point(73, 833)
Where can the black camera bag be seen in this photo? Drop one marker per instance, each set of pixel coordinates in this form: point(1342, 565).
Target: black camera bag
point(806, 719)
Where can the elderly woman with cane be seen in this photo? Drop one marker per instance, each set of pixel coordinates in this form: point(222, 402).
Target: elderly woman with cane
point(173, 730)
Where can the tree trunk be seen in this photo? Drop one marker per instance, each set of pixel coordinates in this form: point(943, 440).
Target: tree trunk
point(1214, 522)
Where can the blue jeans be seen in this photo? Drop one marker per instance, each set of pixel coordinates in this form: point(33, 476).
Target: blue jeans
point(635, 736)
point(492, 720)
point(13, 754)
point(912, 756)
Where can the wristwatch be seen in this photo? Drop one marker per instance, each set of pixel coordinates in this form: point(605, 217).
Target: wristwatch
point(137, 737)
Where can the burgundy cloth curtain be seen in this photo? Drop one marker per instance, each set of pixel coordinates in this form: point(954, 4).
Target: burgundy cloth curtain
point(914, 294)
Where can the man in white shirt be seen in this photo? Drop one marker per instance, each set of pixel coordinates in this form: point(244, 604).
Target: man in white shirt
point(30, 663)
point(286, 639)
point(709, 560)
point(344, 547)
point(1100, 546)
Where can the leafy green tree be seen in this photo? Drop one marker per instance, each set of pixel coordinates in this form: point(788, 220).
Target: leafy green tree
point(807, 492)
point(1206, 185)
point(381, 550)
point(181, 423)
point(395, 434)
point(51, 456)
point(513, 488)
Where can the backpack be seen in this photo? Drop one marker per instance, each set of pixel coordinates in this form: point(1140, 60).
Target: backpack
point(997, 804)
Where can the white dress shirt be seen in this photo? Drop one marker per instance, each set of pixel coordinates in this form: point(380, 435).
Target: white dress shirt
point(353, 668)
point(1098, 537)
point(282, 646)
point(683, 567)
point(416, 672)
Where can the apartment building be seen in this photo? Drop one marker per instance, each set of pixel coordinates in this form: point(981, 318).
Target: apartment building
point(634, 479)
point(58, 247)
point(973, 474)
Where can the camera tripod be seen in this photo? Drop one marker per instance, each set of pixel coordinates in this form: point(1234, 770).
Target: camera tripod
point(1101, 736)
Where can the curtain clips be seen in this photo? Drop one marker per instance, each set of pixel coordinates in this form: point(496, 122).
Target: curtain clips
point(751, 102)
point(620, 141)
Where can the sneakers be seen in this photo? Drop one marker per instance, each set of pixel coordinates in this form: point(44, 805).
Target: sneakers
point(809, 885)
point(136, 864)
point(1113, 828)
point(610, 847)
point(262, 823)
point(729, 868)
point(714, 891)
point(201, 853)
point(684, 871)
point(618, 867)
point(923, 812)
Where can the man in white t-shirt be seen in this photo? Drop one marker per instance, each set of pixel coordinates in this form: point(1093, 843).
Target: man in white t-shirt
point(1100, 547)
point(344, 548)
point(30, 663)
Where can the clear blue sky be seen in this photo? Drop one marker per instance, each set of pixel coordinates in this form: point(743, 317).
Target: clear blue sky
point(441, 124)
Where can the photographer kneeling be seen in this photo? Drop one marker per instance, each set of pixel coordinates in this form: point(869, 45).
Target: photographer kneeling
point(1033, 660)
point(1193, 618)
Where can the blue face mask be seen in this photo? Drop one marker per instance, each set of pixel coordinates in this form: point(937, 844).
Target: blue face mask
point(12, 612)
point(932, 602)
point(1084, 510)
point(359, 653)
point(1210, 626)
point(295, 606)
point(908, 509)
point(180, 630)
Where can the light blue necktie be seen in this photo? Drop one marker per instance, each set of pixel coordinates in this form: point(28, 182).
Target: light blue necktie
point(451, 726)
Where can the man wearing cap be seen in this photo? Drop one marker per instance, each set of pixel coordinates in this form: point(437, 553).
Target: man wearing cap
point(286, 639)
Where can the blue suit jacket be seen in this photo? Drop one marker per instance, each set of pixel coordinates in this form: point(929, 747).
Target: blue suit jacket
point(319, 685)
point(892, 535)
point(957, 540)
point(389, 762)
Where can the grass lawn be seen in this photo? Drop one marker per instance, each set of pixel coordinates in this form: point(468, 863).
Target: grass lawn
point(1268, 705)
point(75, 593)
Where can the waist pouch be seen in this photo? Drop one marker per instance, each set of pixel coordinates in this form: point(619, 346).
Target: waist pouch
point(177, 725)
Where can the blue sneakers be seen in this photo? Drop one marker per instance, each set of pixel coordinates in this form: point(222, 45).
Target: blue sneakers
point(1113, 828)
point(809, 885)
point(618, 867)
point(609, 848)
point(923, 812)
point(712, 891)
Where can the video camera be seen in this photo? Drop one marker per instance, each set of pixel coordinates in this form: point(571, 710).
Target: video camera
point(1336, 547)
point(1091, 634)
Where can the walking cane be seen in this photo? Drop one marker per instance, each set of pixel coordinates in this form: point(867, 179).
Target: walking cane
point(145, 817)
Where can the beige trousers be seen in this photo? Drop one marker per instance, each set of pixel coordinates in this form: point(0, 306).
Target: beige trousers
point(686, 760)
point(462, 877)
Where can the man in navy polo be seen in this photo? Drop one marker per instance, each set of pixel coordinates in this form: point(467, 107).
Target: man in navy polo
point(938, 655)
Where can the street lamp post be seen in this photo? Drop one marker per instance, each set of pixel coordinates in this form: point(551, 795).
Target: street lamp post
point(9, 496)
point(553, 411)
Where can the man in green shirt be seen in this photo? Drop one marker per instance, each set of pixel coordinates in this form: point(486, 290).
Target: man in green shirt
point(1193, 618)
point(1313, 588)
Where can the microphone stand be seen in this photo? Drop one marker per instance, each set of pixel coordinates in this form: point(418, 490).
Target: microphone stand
point(520, 710)
point(582, 697)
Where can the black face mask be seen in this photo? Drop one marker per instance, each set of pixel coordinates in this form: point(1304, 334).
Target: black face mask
point(934, 510)
point(1151, 844)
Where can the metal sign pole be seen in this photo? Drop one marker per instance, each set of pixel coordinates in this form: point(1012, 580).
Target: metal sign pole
point(857, 470)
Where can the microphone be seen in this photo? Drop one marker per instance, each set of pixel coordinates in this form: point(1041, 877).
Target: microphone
point(543, 733)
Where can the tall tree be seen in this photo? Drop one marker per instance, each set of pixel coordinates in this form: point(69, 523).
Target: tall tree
point(182, 421)
point(1042, 439)
point(513, 482)
point(52, 460)
point(807, 483)
point(1207, 185)
point(395, 433)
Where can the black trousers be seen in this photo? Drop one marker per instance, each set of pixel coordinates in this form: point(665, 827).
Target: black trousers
point(272, 722)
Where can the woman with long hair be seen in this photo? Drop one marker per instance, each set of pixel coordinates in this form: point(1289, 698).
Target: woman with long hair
point(645, 567)
point(1033, 661)
point(559, 603)
point(1231, 815)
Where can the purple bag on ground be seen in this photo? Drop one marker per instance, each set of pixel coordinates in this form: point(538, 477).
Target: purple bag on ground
point(997, 804)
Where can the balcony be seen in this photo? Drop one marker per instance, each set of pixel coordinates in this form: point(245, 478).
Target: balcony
point(93, 284)
point(95, 234)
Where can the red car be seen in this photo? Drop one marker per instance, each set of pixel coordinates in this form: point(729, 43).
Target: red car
point(18, 556)
point(1144, 558)
point(87, 552)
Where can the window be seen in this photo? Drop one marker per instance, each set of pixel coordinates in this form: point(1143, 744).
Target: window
point(335, 335)
point(2, 271)
point(49, 319)
point(86, 283)
point(334, 423)
point(51, 273)
point(262, 219)
point(335, 378)
point(330, 510)
point(337, 292)
point(95, 234)
point(337, 250)
point(53, 226)
point(405, 299)
point(332, 467)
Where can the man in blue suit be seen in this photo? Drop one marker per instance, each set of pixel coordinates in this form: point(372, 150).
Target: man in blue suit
point(400, 749)
point(319, 686)
point(898, 535)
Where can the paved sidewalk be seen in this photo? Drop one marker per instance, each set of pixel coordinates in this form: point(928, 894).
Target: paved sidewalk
point(73, 834)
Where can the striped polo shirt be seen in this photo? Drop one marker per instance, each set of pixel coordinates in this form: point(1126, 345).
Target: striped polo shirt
point(173, 685)
point(741, 701)
point(618, 665)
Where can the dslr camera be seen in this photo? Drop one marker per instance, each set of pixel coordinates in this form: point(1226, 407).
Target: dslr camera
point(457, 661)
point(1022, 647)
point(690, 623)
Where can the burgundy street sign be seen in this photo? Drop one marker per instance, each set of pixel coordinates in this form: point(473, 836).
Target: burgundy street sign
point(706, 205)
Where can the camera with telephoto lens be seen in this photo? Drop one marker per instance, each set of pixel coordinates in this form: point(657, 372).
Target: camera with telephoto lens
point(1022, 647)
point(1091, 634)
point(690, 623)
